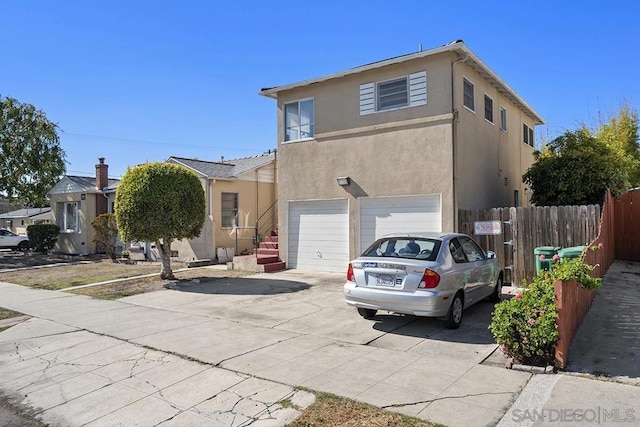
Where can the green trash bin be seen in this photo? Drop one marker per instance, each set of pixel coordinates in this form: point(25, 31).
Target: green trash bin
point(571, 252)
point(548, 252)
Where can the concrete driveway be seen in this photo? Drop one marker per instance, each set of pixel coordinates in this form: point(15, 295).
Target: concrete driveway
point(290, 328)
point(312, 304)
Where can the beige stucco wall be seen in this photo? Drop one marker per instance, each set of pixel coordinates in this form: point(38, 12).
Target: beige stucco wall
point(250, 196)
point(384, 164)
point(202, 247)
point(253, 199)
point(393, 153)
point(82, 241)
point(408, 151)
point(485, 154)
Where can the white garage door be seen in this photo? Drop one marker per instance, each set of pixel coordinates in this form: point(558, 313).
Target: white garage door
point(385, 215)
point(319, 235)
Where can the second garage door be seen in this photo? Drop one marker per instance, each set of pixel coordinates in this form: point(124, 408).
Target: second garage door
point(385, 215)
point(319, 235)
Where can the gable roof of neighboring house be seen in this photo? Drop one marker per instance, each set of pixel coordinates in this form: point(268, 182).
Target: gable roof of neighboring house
point(25, 213)
point(86, 184)
point(229, 169)
point(457, 46)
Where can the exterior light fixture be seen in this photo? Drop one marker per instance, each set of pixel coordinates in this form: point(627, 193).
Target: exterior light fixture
point(343, 181)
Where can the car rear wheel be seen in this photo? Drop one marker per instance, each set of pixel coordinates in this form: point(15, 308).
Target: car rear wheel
point(497, 292)
point(454, 316)
point(23, 246)
point(367, 313)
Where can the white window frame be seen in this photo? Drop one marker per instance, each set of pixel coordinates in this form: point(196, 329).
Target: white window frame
point(473, 94)
point(63, 222)
point(528, 135)
point(312, 124)
point(406, 92)
point(236, 210)
point(492, 121)
point(503, 122)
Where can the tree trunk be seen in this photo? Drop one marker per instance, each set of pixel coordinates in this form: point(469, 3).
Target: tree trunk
point(165, 256)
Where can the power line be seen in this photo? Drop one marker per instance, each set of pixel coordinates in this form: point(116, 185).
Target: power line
point(119, 140)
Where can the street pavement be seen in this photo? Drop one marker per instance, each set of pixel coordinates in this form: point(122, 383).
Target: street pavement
point(226, 352)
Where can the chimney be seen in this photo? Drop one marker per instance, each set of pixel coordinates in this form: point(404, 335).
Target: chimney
point(102, 181)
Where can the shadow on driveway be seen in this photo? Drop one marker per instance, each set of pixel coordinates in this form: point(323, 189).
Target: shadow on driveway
point(474, 328)
point(608, 341)
point(239, 286)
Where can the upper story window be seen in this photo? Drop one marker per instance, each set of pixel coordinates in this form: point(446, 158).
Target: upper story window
point(401, 92)
point(392, 94)
point(503, 119)
point(488, 108)
point(229, 205)
point(527, 135)
point(468, 95)
point(298, 120)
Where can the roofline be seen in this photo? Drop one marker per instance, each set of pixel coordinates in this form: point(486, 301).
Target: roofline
point(187, 166)
point(233, 178)
point(458, 47)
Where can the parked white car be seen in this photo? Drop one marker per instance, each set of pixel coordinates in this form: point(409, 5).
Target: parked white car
point(423, 274)
point(11, 240)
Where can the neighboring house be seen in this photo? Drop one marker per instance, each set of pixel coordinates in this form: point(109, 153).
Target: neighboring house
point(18, 221)
point(395, 146)
point(75, 202)
point(238, 192)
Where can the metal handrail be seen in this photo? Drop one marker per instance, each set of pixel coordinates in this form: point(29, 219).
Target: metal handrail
point(270, 210)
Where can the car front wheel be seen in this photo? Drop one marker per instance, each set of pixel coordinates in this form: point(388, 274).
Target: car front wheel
point(497, 291)
point(367, 313)
point(454, 316)
point(23, 246)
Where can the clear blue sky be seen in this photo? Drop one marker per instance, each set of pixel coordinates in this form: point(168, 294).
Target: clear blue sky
point(137, 81)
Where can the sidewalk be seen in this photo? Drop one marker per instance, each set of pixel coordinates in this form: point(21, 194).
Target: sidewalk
point(605, 349)
point(440, 389)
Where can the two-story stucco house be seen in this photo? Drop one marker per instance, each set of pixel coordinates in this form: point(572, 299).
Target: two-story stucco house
point(395, 146)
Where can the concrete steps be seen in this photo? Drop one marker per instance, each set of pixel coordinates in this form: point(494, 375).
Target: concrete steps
point(264, 259)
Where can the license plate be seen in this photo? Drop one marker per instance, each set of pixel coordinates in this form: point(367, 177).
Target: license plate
point(383, 280)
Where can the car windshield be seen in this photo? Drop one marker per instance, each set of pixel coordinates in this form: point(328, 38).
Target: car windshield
point(405, 247)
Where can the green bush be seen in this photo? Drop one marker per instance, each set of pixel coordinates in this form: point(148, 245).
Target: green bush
point(43, 237)
point(106, 234)
point(525, 325)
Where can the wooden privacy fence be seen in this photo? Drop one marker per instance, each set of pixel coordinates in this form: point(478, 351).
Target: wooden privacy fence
point(526, 228)
point(627, 226)
point(572, 300)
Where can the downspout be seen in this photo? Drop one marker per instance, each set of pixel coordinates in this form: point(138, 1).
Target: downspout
point(454, 145)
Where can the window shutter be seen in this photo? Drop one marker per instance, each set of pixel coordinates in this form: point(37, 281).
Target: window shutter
point(418, 89)
point(367, 99)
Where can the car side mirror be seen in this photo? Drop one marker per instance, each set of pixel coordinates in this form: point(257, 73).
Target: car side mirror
point(491, 255)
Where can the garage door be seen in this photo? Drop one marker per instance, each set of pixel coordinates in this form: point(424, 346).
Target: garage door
point(319, 235)
point(382, 216)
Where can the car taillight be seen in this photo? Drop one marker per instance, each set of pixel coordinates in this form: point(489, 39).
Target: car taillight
point(350, 276)
point(430, 280)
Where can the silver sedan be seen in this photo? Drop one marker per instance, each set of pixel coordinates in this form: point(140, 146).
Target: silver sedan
point(423, 274)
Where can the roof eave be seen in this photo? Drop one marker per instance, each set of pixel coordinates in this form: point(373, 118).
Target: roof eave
point(460, 48)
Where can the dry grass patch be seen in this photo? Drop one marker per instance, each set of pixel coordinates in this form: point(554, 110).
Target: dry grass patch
point(332, 411)
point(149, 284)
point(64, 276)
point(8, 314)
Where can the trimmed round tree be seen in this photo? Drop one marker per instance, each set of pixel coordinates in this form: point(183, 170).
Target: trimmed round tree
point(160, 202)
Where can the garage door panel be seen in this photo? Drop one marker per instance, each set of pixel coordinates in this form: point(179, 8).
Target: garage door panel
point(382, 216)
point(319, 235)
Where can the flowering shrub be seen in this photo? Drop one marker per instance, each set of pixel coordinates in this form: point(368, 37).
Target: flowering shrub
point(525, 326)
